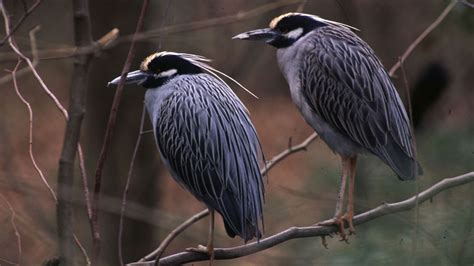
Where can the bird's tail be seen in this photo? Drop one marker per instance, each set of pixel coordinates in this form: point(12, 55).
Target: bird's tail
point(403, 165)
point(250, 232)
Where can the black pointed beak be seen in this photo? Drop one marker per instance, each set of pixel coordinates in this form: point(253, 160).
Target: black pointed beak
point(134, 77)
point(267, 35)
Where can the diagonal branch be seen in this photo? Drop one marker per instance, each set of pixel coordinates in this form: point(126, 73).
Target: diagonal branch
point(422, 36)
point(315, 230)
point(109, 133)
point(20, 21)
point(127, 185)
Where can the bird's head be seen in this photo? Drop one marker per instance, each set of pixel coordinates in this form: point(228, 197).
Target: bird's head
point(160, 67)
point(288, 28)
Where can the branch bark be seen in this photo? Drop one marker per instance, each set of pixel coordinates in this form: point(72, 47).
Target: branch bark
point(315, 230)
point(76, 111)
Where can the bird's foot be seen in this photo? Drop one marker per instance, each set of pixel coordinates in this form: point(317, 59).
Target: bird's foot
point(348, 218)
point(339, 223)
point(209, 250)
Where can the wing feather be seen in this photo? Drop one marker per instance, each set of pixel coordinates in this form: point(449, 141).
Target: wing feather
point(344, 82)
point(206, 137)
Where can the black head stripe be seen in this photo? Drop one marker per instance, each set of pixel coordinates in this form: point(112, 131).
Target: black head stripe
point(166, 62)
point(292, 22)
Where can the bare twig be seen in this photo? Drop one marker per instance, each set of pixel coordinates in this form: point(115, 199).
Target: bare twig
point(422, 36)
point(31, 65)
point(109, 134)
point(30, 138)
point(127, 185)
point(301, 6)
point(465, 2)
point(220, 21)
point(7, 261)
point(82, 249)
point(15, 228)
point(315, 230)
point(34, 53)
point(20, 21)
point(156, 254)
point(291, 149)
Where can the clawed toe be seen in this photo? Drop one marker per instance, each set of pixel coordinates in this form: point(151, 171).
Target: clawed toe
point(339, 223)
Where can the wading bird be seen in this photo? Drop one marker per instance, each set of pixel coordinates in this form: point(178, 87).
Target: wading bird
point(344, 93)
point(205, 138)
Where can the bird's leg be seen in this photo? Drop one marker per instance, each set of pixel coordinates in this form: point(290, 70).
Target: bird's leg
point(350, 204)
point(209, 249)
point(210, 240)
point(338, 219)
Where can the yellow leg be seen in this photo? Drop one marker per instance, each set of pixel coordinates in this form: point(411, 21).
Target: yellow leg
point(338, 218)
point(209, 249)
point(210, 241)
point(350, 204)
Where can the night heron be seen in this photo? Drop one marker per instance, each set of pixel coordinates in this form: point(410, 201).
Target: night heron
point(205, 138)
point(344, 93)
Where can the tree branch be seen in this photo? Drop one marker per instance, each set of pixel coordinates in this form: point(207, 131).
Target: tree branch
point(422, 36)
point(109, 133)
point(76, 111)
point(127, 185)
point(20, 21)
point(315, 230)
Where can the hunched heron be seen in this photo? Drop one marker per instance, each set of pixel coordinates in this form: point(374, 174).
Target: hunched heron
point(205, 138)
point(344, 93)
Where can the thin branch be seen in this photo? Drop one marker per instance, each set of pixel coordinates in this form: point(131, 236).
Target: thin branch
point(422, 36)
point(15, 228)
point(156, 254)
point(201, 24)
point(465, 2)
point(291, 149)
point(301, 6)
point(30, 135)
point(127, 185)
point(315, 230)
point(20, 21)
point(82, 249)
point(109, 133)
point(34, 53)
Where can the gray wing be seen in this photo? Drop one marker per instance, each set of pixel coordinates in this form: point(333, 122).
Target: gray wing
point(207, 139)
point(345, 83)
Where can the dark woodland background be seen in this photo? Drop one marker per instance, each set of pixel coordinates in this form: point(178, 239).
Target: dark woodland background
point(300, 191)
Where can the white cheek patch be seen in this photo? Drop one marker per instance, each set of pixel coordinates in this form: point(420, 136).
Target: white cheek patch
point(167, 73)
point(295, 34)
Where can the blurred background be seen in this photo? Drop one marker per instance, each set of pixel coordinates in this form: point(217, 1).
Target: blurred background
point(300, 191)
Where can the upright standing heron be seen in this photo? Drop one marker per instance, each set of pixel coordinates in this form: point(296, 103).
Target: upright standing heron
point(205, 138)
point(343, 91)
